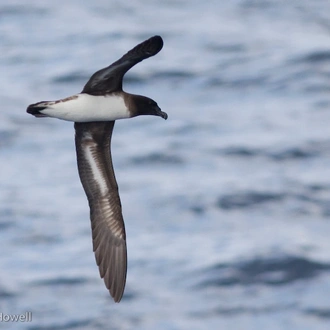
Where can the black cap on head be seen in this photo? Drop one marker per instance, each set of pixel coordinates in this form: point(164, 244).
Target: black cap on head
point(145, 106)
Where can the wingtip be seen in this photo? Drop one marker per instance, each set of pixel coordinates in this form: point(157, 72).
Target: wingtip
point(154, 44)
point(160, 41)
point(117, 298)
point(158, 38)
point(111, 259)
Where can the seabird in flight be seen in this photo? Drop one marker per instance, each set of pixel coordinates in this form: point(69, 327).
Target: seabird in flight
point(94, 111)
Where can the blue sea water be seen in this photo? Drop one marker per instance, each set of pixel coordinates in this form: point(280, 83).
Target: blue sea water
point(226, 203)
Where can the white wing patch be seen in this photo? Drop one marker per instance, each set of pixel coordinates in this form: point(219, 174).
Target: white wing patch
point(95, 168)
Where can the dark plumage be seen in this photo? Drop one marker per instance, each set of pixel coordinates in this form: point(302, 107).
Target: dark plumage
point(94, 111)
point(110, 79)
point(108, 229)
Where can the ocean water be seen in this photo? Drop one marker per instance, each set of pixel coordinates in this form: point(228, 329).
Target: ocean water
point(227, 203)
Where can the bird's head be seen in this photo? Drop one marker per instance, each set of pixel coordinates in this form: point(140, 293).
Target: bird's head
point(142, 105)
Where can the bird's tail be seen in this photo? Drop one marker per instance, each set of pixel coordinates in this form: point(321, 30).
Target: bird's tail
point(34, 109)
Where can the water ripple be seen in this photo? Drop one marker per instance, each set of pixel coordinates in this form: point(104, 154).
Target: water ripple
point(272, 271)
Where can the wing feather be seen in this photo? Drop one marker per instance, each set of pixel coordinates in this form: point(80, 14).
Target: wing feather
point(108, 230)
point(110, 79)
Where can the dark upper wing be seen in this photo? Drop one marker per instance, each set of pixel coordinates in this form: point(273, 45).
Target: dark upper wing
point(98, 179)
point(110, 79)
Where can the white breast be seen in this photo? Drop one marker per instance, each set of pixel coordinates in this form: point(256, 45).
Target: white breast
point(85, 108)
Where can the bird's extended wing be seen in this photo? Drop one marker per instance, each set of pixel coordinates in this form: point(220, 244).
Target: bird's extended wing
point(98, 179)
point(110, 79)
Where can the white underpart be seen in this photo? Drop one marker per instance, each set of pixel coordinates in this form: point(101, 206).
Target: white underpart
point(85, 108)
point(97, 173)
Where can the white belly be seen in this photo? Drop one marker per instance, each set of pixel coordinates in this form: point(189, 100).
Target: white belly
point(85, 108)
